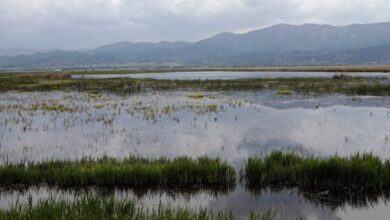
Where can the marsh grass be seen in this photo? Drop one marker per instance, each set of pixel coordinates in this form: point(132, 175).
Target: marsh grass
point(360, 172)
point(137, 172)
point(105, 208)
point(196, 95)
point(284, 92)
point(338, 84)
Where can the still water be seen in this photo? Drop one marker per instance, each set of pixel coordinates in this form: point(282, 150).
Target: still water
point(232, 125)
point(223, 75)
point(38, 126)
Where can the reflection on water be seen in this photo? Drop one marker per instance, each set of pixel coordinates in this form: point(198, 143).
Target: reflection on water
point(214, 75)
point(230, 125)
point(38, 126)
point(289, 202)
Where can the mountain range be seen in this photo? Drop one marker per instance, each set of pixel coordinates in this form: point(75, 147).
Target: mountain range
point(12, 52)
point(281, 44)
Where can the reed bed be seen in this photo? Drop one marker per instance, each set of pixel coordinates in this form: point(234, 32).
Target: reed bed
point(360, 172)
point(338, 84)
point(137, 172)
point(105, 208)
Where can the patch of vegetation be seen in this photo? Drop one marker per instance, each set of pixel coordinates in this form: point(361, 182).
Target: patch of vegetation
point(106, 208)
point(284, 92)
point(134, 172)
point(337, 84)
point(360, 172)
point(93, 94)
point(196, 95)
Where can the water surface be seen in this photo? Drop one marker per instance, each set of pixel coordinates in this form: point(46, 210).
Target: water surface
point(227, 125)
point(37, 126)
point(289, 203)
point(224, 75)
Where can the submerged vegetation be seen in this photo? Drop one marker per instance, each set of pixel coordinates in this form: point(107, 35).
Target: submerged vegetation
point(196, 95)
point(284, 92)
point(62, 81)
point(134, 171)
point(93, 207)
point(360, 172)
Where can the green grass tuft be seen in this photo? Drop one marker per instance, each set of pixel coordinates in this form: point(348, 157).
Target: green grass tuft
point(130, 172)
point(359, 172)
point(284, 92)
point(196, 95)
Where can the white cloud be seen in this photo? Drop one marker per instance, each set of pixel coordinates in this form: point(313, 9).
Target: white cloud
point(88, 23)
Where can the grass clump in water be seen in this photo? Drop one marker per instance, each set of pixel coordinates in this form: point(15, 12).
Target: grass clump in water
point(284, 92)
point(196, 95)
point(134, 172)
point(94, 208)
point(359, 172)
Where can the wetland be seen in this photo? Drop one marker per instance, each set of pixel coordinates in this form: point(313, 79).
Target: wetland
point(274, 147)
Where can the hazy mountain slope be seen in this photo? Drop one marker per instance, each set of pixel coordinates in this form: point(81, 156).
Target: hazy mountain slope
point(20, 51)
point(138, 47)
point(277, 45)
point(368, 55)
point(308, 37)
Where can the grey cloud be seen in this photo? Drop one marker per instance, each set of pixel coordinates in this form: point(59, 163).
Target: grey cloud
point(77, 24)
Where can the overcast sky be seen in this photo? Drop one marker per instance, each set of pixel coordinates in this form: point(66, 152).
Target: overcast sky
point(74, 24)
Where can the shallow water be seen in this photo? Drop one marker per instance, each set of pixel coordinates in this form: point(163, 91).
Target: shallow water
point(231, 125)
point(228, 125)
point(289, 203)
point(223, 75)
